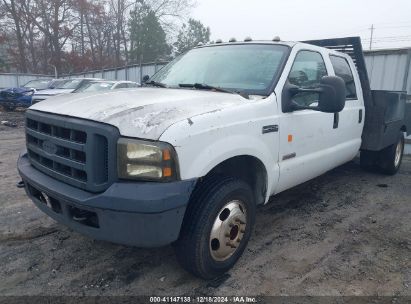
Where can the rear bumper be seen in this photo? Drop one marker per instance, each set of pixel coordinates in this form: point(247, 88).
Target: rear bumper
point(129, 213)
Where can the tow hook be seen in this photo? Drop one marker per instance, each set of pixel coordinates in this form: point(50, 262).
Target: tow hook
point(20, 184)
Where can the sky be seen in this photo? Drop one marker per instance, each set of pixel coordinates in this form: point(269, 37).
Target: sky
point(309, 19)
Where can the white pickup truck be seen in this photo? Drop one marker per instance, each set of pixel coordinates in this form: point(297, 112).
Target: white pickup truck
point(188, 157)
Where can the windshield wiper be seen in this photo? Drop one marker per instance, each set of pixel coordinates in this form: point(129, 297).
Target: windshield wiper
point(202, 86)
point(155, 84)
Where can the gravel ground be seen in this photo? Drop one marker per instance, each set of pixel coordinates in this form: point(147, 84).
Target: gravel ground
point(347, 232)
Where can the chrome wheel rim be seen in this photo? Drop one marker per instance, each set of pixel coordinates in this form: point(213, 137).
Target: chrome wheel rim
point(228, 230)
point(398, 152)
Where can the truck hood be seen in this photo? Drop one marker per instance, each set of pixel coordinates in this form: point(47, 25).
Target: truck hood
point(143, 112)
point(53, 92)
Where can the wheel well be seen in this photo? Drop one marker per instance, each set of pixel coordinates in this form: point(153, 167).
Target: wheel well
point(247, 168)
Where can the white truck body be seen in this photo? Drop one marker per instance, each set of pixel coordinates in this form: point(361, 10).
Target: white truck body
point(207, 128)
point(188, 162)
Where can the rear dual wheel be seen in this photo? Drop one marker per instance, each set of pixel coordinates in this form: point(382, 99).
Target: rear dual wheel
point(391, 157)
point(217, 227)
point(387, 161)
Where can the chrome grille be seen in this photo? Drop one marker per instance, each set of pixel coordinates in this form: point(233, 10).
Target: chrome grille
point(72, 150)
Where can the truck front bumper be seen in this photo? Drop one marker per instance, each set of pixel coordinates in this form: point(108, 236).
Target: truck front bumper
point(130, 213)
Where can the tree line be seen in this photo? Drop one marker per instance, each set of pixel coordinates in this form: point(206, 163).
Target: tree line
point(71, 36)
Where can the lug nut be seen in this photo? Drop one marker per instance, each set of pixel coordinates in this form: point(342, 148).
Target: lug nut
point(231, 245)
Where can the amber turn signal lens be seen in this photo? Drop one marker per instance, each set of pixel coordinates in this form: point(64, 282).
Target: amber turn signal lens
point(166, 155)
point(167, 172)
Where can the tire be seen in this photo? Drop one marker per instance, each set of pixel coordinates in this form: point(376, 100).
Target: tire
point(215, 204)
point(9, 108)
point(391, 157)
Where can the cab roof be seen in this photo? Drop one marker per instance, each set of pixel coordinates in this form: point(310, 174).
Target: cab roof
point(290, 44)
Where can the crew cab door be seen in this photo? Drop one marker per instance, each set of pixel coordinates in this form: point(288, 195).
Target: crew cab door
point(312, 142)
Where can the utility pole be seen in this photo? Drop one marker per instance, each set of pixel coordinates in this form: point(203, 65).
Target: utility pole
point(372, 34)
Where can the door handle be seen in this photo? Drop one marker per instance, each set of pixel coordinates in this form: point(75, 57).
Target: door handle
point(336, 120)
point(360, 116)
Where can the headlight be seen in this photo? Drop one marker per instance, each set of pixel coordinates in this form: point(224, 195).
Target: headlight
point(143, 160)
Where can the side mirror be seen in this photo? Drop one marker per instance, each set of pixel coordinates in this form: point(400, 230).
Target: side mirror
point(145, 78)
point(332, 96)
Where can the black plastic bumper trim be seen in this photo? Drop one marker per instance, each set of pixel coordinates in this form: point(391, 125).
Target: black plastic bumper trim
point(137, 214)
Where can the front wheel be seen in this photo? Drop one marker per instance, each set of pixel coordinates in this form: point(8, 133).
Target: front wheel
point(217, 226)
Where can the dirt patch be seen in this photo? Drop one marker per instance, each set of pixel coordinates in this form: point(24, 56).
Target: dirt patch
point(344, 233)
point(13, 119)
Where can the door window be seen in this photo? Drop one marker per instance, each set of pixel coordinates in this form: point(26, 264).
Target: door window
point(307, 71)
point(342, 69)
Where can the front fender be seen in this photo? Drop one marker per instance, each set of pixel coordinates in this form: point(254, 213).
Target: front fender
point(204, 142)
point(207, 157)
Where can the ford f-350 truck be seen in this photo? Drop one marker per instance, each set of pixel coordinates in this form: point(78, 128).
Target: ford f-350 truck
point(187, 158)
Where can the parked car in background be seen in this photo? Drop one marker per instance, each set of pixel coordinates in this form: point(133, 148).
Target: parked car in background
point(105, 85)
point(11, 98)
point(68, 86)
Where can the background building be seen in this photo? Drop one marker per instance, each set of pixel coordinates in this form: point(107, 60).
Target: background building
point(389, 69)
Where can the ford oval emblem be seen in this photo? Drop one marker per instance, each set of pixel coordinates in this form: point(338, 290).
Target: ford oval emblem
point(49, 147)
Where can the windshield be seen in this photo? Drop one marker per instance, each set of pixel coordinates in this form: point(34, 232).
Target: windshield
point(70, 84)
point(96, 87)
point(245, 68)
point(37, 84)
point(58, 83)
